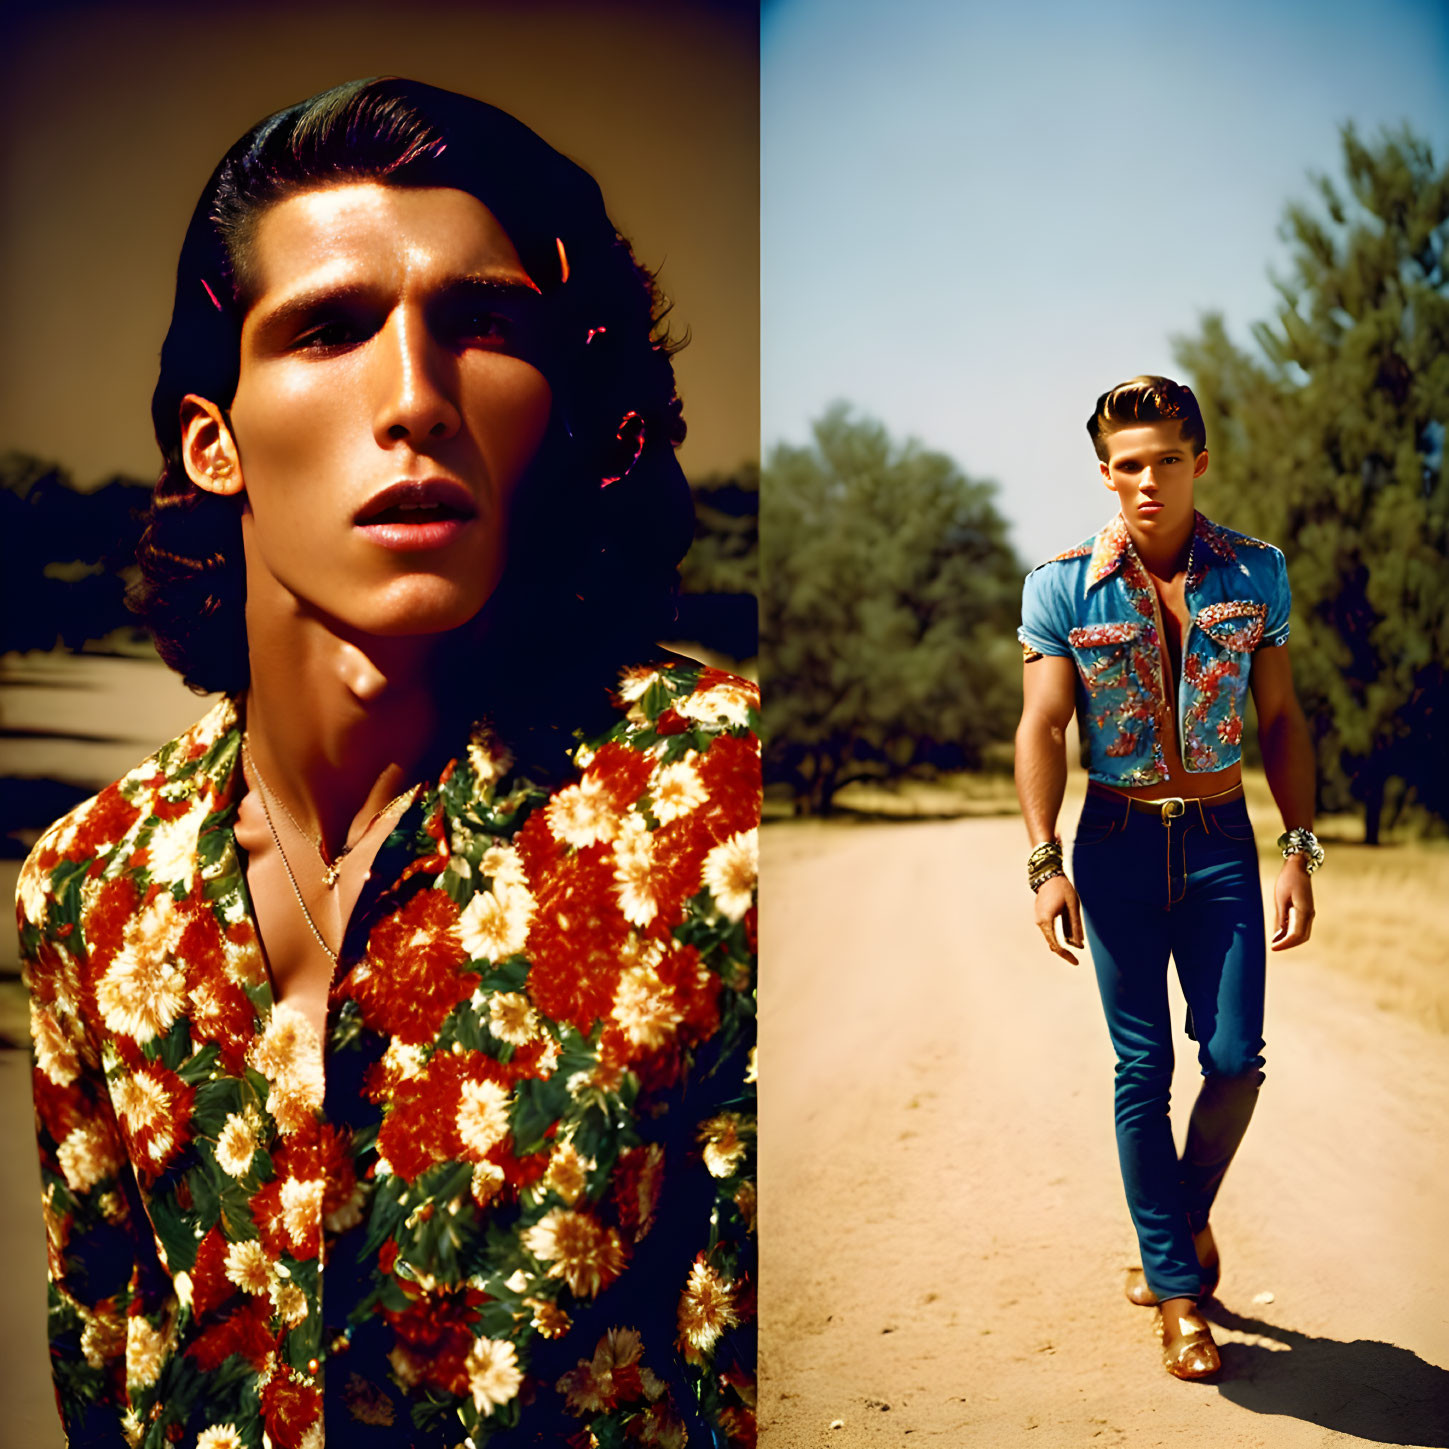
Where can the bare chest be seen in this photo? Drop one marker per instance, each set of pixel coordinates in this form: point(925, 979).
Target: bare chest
point(1173, 611)
point(301, 918)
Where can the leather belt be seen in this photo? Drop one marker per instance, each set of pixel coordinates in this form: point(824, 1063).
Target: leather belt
point(1167, 807)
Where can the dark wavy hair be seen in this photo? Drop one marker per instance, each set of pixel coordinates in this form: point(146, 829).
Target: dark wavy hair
point(597, 532)
point(1146, 399)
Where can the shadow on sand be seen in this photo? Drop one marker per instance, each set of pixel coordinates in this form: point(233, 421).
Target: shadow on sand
point(1372, 1390)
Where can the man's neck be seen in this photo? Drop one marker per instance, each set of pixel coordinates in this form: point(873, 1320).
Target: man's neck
point(1164, 556)
point(337, 725)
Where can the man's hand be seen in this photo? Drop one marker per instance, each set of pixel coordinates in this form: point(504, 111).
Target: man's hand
point(1057, 901)
point(1292, 903)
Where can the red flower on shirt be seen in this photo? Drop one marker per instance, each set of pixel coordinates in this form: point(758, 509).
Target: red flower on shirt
point(210, 1287)
point(410, 979)
point(247, 1331)
point(578, 933)
point(730, 769)
point(220, 1010)
point(435, 1333)
point(115, 906)
point(107, 821)
point(290, 1407)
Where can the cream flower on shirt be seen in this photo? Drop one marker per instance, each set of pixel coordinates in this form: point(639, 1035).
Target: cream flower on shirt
point(482, 1116)
point(676, 790)
point(143, 990)
point(493, 1373)
point(729, 700)
point(494, 924)
point(172, 850)
point(730, 871)
point(582, 814)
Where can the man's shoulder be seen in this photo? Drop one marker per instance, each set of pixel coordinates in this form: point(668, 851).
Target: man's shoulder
point(1061, 568)
point(180, 781)
point(1239, 561)
point(1227, 542)
point(1077, 551)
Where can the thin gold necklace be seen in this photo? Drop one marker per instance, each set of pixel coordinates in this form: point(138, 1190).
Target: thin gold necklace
point(331, 869)
point(263, 791)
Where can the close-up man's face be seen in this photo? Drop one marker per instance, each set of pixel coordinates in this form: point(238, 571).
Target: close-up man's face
point(1151, 469)
point(384, 412)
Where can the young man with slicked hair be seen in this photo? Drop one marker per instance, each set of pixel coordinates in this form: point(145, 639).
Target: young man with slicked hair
point(1152, 632)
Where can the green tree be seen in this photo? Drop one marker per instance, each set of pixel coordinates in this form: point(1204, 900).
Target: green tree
point(890, 599)
point(1330, 442)
point(724, 558)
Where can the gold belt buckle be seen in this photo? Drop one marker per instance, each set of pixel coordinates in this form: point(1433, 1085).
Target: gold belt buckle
point(1172, 807)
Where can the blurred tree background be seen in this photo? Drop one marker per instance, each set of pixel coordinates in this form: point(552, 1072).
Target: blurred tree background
point(718, 606)
point(890, 601)
point(66, 558)
point(1330, 443)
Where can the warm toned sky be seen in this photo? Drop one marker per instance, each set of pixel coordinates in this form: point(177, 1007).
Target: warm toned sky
point(113, 115)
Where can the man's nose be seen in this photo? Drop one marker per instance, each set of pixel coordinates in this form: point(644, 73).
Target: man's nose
point(418, 387)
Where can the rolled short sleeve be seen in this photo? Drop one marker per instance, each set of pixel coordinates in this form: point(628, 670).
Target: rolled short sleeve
point(1043, 628)
point(1280, 604)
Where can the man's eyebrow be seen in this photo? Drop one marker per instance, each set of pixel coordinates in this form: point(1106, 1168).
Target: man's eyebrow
point(1162, 453)
point(496, 281)
point(303, 305)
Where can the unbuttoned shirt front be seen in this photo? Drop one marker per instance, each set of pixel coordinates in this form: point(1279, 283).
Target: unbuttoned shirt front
point(1096, 605)
point(523, 1169)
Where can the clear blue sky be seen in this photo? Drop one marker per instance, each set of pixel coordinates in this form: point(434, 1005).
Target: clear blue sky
point(977, 217)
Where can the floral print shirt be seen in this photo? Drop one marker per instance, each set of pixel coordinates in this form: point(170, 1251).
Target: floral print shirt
point(512, 1202)
point(1095, 604)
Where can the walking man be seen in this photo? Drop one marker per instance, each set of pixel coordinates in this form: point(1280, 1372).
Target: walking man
point(1153, 631)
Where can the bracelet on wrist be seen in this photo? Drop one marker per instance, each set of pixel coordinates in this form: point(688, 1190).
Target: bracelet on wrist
point(1043, 863)
point(1302, 841)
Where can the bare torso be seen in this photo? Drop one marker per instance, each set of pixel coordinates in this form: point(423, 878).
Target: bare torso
point(1172, 606)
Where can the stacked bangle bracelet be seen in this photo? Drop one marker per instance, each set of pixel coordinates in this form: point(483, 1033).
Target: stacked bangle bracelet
point(1043, 863)
point(1301, 841)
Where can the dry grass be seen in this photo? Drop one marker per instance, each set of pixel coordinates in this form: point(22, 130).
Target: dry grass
point(1383, 910)
point(950, 795)
point(1383, 920)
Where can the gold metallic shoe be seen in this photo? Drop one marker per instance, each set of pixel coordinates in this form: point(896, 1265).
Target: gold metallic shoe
point(1137, 1290)
point(1188, 1350)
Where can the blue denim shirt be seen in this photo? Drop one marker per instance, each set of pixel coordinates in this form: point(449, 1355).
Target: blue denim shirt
point(1096, 605)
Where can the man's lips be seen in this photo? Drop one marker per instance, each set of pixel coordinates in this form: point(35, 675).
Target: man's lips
point(417, 515)
point(414, 502)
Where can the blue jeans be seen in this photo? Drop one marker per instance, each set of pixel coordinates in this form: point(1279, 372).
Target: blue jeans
point(1185, 887)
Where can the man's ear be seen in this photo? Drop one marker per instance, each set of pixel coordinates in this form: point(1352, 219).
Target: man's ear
point(1200, 464)
point(208, 450)
point(1107, 479)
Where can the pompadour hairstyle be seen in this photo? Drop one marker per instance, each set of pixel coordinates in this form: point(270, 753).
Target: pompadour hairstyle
point(1146, 399)
point(605, 516)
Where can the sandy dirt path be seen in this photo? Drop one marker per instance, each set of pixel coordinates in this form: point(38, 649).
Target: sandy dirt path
point(942, 1220)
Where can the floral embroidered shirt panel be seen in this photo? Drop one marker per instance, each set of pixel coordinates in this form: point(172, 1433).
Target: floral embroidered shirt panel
point(1096, 605)
point(515, 1201)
